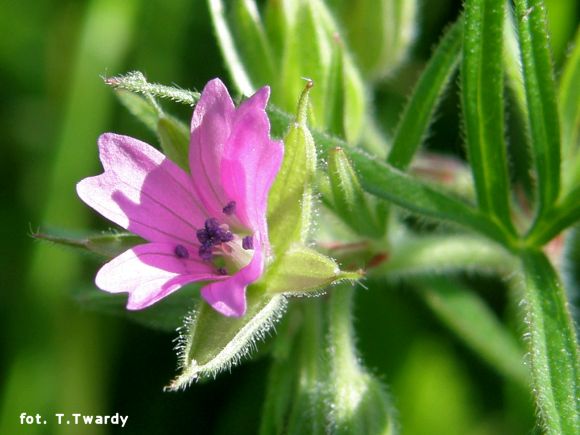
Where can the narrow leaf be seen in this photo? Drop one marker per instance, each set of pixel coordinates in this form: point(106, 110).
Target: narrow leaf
point(107, 245)
point(388, 183)
point(553, 346)
point(563, 215)
point(251, 41)
point(483, 106)
point(541, 100)
point(474, 322)
point(570, 109)
point(137, 83)
point(238, 71)
point(418, 113)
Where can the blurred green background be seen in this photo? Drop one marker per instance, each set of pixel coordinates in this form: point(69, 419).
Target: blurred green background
point(59, 357)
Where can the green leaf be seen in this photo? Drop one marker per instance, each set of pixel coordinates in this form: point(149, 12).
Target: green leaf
point(385, 181)
point(107, 245)
point(513, 67)
point(174, 138)
point(211, 343)
point(234, 63)
point(388, 183)
point(569, 98)
point(308, 54)
point(303, 271)
point(541, 101)
point(137, 83)
point(483, 106)
point(466, 314)
point(418, 113)
point(553, 346)
point(290, 199)
point(251, 41)
point(565, 213)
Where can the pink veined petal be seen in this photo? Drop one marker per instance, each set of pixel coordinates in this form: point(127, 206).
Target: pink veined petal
point(143, 191)
point(210, 129)
point(251, 161)
point(228, 297)
point(151, 271)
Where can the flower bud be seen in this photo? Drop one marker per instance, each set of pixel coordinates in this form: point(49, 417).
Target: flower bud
point(290, 201)
point(380, 33)
point(348, 199)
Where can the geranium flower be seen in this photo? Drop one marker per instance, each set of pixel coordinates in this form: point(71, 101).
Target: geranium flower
point(206, 225)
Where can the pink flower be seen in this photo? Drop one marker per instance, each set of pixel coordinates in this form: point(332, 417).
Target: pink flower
point(206, 225)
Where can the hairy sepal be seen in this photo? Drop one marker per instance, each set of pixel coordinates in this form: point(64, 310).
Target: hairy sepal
point(210, 343)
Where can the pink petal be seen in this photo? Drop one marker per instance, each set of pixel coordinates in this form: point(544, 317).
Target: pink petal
point(228, 297)
point(251, 161)
point(143, 191)
point(151, 271)
point(210, 129)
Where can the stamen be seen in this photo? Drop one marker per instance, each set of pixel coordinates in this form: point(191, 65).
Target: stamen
point(205, 252)
point(230, 208)
point(248, 242)
point(211, 224)
point(202, 235)
point(222, 271)
point(224, 235)
point(211, 235)
point(181, 251)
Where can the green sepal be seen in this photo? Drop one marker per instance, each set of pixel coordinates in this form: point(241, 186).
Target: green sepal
point(349, 200)
point(107, 245)
point(290, 199)
point(174, 138)
point(211, 343)
point(303, 270)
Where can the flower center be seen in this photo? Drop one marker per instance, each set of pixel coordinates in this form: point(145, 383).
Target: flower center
point(229, 252)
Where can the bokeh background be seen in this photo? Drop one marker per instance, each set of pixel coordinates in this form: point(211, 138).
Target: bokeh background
point(59, 356)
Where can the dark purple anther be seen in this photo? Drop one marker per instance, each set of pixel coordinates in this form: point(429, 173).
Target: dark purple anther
point(211, 224)
point(225, 236)
point(230, 208)
point(181, 251)
point(202, 235)
point(205, 252)
point(248, 242)
point(222, 271)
